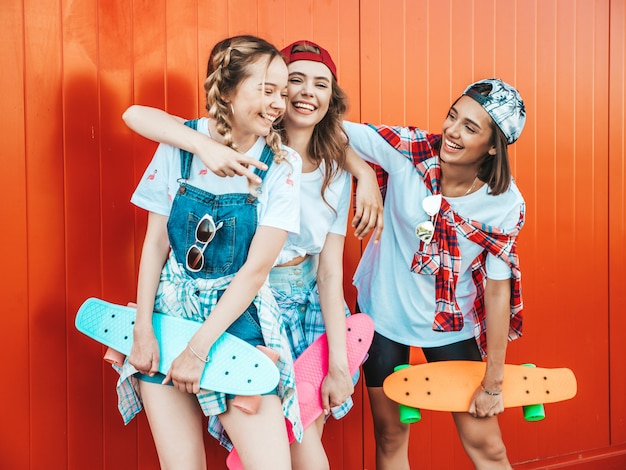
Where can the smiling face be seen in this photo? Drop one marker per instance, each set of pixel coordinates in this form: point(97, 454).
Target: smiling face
point(309, 93)
point(258, 100)
point(467, 134)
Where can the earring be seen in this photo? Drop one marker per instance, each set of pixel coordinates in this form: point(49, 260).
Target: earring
point(232, 109)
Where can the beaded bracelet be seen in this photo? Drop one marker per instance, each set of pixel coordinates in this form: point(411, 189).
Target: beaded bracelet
point(195, 353)
point(489, 392)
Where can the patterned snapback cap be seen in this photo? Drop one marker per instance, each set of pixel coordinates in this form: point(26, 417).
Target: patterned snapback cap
point(503, 103)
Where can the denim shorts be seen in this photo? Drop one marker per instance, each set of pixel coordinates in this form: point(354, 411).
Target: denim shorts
point(295, 281)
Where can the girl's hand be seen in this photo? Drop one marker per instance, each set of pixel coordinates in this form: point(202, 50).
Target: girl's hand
point(224, 161)
point(337, 387)
point(484, 405)
point(185, 372)
point(369, 209)
point(157, 125)
point(144, 354)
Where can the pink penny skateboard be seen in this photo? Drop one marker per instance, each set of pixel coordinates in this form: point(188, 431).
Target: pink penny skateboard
point(312, 367)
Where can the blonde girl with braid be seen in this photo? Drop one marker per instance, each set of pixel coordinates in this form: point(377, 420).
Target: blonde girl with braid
point(307, 280)
point(220, 283)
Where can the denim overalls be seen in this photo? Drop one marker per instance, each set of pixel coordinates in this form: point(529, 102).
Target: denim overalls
point(192, 295)
point(225, 254)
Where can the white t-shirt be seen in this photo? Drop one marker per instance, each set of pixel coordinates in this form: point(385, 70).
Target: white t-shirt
point(402, 303)
point(280, 191)
point(317, 220)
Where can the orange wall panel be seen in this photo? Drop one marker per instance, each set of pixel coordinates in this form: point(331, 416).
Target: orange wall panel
point(617, 220)
point(117, 250)
point(82, 228)
point(47, 371)
point(15, 407)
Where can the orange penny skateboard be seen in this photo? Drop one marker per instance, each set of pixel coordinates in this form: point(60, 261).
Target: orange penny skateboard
point(450, 385)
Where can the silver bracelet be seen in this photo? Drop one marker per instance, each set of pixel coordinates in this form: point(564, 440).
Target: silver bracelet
point(195, 353)
point(489, 392)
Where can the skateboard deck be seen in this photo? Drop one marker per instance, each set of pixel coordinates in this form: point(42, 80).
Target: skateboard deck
point(311, 367)
point(236, 367)
point(450, 385)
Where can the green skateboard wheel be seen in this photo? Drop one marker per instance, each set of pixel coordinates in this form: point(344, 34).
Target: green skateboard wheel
point(408, 414)
point(533, 412)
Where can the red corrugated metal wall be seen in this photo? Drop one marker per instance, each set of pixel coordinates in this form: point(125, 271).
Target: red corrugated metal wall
point(70, 68)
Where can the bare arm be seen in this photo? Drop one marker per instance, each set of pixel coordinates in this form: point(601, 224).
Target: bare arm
point(160, 126)
point(369, 202)
point(266, 245)
point(337, 386)
point(498, 310)
point(144, 354)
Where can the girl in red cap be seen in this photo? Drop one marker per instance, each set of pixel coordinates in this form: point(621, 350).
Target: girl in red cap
point(307, 279)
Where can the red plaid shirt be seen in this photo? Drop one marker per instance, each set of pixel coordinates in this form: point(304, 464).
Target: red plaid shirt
point(441, 257)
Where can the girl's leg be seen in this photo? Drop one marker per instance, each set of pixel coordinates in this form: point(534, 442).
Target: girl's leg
point(481, 437)
point(175, 420)
point(261, 438)
point(482, 441)
point(310, 454)
point(392, 436)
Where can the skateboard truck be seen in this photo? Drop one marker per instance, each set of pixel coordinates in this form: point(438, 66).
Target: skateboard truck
point(408, 414)
point(249, 404)
point(114, 357)
point(533, 412)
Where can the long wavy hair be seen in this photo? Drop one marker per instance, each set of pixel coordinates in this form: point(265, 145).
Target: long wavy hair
point(226, 69)
point(329, 142)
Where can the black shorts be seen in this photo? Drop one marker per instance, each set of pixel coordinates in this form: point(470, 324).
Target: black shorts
point(385, 354)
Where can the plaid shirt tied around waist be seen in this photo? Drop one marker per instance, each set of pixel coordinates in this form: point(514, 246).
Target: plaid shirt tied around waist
point(441, 257)
point(182, 296)
point(302, 334)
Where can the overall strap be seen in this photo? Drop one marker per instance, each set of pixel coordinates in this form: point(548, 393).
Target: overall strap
point(267, 157)
point(185, 156)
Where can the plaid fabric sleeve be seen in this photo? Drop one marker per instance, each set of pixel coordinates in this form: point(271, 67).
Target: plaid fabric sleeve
point(411, 142)
point(504, 246)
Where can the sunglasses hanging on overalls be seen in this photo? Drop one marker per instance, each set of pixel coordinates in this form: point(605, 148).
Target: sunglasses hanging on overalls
point(205, 231)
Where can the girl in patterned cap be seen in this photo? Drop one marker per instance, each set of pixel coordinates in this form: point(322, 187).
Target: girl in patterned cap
point(209, 246)
point(445, 275)
point(307, 280)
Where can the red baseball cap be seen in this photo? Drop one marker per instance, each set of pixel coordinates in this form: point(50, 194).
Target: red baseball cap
point(323, 57)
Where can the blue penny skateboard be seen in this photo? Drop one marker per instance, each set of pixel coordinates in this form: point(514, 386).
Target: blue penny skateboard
point(236, 367)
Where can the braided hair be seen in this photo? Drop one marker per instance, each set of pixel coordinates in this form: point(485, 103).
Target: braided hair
point(226, 69)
